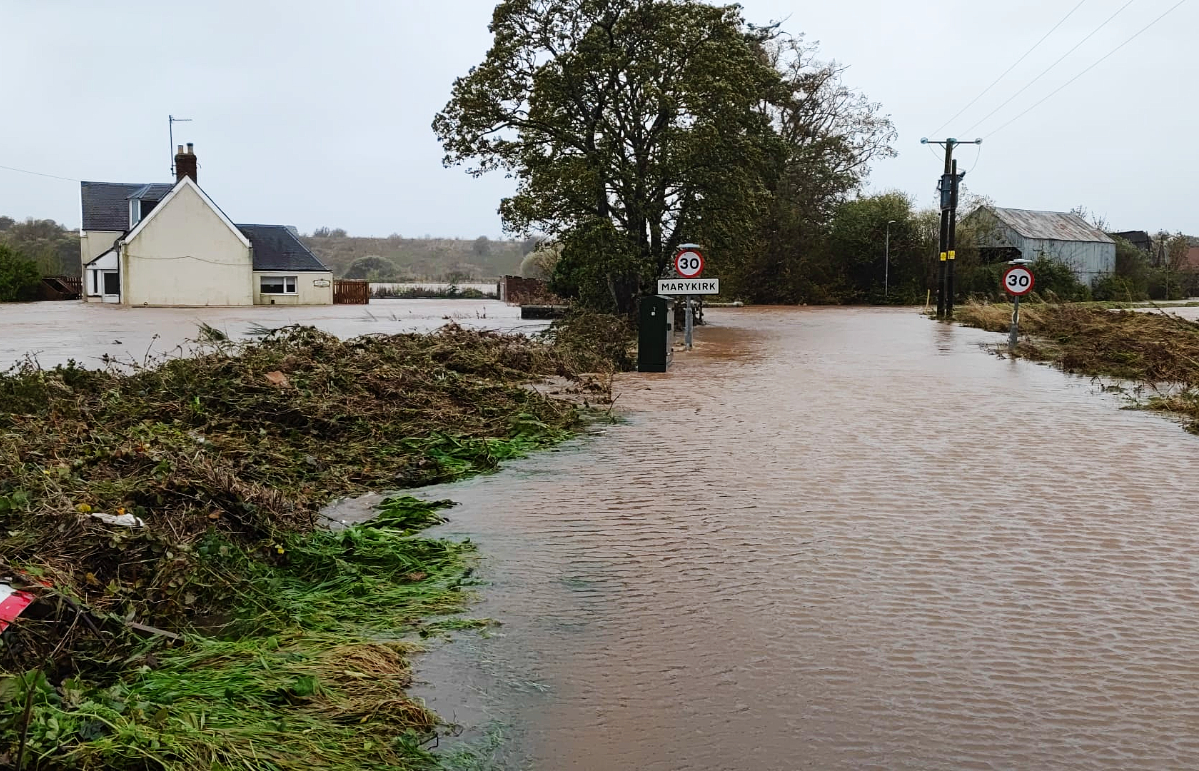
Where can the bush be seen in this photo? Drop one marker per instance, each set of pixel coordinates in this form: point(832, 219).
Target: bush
point(1119, 288)
point(1056, 279)
point(19, 277)
point(1165, 284)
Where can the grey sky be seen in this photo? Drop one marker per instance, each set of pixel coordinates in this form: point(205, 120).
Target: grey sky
point(314, 114)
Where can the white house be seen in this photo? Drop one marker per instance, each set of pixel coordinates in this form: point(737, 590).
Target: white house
point(170, 245)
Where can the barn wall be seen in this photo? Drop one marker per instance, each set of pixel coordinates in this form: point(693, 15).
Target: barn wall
point(1089, 260)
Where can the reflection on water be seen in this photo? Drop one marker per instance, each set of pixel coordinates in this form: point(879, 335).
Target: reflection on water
point(839, 539)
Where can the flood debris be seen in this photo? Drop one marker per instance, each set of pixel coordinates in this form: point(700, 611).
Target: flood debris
point(121, 520)
point(195, 611)
point(13, 603)
point(1155, 350)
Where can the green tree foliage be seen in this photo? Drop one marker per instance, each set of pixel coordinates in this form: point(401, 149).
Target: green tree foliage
point(541, 263)
point(19, 276)
point(857, 245)
point(1130, 281)
point(631, 126)
point(830, 135)
point(52, 247)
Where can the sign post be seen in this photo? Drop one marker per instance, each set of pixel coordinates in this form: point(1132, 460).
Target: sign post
point(689, 264)
point(1017, 281)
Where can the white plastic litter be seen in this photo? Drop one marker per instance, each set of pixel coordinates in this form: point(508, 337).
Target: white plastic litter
point(124, 520)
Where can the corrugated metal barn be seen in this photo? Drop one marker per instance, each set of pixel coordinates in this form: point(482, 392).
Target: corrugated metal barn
point(1005, 234)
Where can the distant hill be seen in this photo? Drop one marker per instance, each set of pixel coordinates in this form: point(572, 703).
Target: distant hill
point(52, 246)
point(417, 259)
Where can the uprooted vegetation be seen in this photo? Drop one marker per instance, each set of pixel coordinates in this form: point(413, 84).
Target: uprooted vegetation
point(1157, 350)
point(186, 497)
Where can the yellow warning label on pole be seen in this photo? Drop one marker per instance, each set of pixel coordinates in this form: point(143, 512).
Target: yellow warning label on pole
point(952, 254)
point(944, 256)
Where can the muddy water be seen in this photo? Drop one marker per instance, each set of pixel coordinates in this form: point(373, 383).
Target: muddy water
point(839, 539)
point(56, 332)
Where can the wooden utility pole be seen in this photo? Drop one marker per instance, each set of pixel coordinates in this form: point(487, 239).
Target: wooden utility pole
point(948, 239)
point(953, 239)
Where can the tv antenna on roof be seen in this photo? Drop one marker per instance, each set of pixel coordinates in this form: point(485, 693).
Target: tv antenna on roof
point(171, 121)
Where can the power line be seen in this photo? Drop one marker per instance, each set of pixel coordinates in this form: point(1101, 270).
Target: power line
point(1009, 69)
point(38, 174)
point(1170, 10)
point(1050, 67)
point(977, 157)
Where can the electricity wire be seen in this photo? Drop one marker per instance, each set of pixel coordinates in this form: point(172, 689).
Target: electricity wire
point(38, 173)
point(995, 82)
point(1170, 10)
point(1050, 67)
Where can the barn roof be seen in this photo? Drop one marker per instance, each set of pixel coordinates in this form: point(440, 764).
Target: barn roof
point(1050, 225)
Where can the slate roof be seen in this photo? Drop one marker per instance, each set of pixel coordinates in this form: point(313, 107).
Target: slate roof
point(1050, 225)
point(276, 247)
point(106, 204)
point(155, 191)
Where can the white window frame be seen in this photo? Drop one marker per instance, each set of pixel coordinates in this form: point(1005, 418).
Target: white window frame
point(291, 281)
point(104, 283)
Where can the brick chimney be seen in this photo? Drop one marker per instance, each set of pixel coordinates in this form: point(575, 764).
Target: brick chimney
point(185, 164)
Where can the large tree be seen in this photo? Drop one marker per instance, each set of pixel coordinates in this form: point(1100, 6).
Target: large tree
point(631, 126)
point(831, 134)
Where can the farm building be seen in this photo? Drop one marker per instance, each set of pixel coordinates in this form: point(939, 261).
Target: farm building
point(1138, 238)
point(1005, 234)
point(170, 245)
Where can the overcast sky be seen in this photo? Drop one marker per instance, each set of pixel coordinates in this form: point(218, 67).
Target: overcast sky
point(317, 114)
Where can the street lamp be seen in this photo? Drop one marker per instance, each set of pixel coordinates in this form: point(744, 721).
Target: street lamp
point(887, 261)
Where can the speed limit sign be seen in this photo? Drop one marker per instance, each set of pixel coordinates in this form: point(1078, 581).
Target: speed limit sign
point(689, 263)
point(1018, 281)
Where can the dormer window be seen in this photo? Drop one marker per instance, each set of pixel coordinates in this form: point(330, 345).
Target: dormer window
point(139, 208)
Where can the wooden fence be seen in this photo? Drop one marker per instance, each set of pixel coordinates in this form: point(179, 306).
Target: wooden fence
point(351, 292)
point(60, 288)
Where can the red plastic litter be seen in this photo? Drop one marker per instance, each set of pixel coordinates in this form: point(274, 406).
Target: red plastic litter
point(12, 604)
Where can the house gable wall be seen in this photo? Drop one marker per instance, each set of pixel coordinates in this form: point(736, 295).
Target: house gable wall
point(185, 253)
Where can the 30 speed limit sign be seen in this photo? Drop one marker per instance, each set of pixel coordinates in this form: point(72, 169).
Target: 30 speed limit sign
point(1018, 281)
point(689, 263)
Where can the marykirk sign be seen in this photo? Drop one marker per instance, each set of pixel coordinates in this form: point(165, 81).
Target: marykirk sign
point(676, 286)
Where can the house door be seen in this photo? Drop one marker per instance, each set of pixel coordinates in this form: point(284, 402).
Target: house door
point(111, 281)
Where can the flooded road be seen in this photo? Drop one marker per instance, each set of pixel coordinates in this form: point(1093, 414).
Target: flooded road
point(838, 539)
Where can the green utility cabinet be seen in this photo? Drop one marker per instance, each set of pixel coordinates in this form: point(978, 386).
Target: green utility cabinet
point(655, 334)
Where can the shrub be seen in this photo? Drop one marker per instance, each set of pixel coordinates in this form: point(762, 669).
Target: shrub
point(19, 277)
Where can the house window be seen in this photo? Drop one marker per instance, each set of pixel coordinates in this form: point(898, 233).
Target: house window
point(112, 282)
point(139, 209)
point(278, 284)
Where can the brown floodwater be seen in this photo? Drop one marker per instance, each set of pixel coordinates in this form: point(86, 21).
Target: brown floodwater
point(837, 539)
point(88, 333)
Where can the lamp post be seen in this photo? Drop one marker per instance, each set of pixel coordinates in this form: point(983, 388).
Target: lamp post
point(887, 262)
